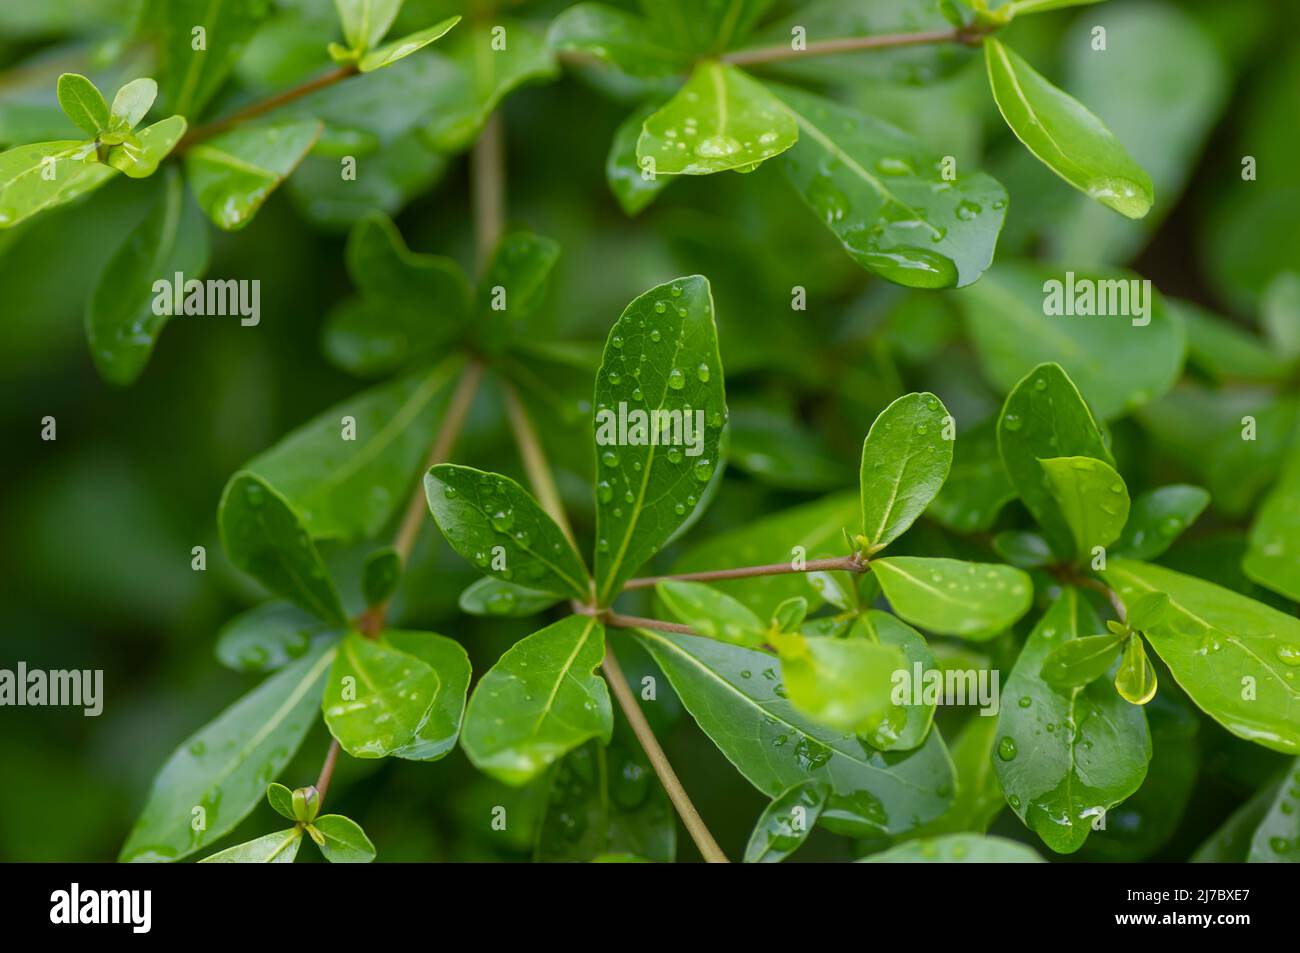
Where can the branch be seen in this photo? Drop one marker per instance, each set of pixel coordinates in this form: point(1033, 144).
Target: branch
point(534, 460)
point(695, 826)
point(327, 769)
point(199, 133)
point(967, 35)
point(840, 563)
point(1111, 595)
point(640, 622)
point(488, 177)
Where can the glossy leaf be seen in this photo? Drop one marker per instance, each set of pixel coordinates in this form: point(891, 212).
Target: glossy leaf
point(736, 695)
point(1003, 11)
point(785, 823)
point(514, 285)
point(1064, 135)
point(365, 22)
point(377, 697)
point(1235, 657)
point(278, 848)
point(711, 613)
point(703, 26)
point(958, 849)
point(140, 154)
point(979, 797)
point(390, 53)
point(83, 103)
point(906, 725)
point(188, 78)
point(496, 597)
point(645, 492)
point(1092, 499)
point(344, 840)
point(1120, 360)
point(634, 187)
point(845, 684)
point(953, 597)
point(1273, 559)
point(813, 530)
point(617, 38)
point(1277, 838)
point(265, 538)
point(234, 173)
point(349, 489)
point(269, 637)
point(884, 196)
point(43, 175)
point(1043, 417)
point(1230, 844)
point(281, 799)
point(720, 120)
point(380, 576)
point(539, 701)
point(1081, 660)
point(221, 771)
point(132, 102)
point(437, 734)
point(125, 313)
point(1157, 517)
point(1066, 756)
point(495, 524)
point(905, 460)
point(977, 486)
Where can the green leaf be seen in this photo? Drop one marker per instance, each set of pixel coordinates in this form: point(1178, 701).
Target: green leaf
point(1004, 11)
point(1280, 313)
point(390, 53)
point(634, 188)
point(1078, 661)
point(140, 159)
point(1230, 844)
point(979, 797)
point(381, 573)
point(977, 486)
point(1092, 498)
point(777, 448)
point(132, 102)
point(952, 597)
point(344, 842)
point(1156, 519)
point(365, 22)
point(541, 700)
point(885, 197)
point(1135, 679)
point(906, 724)
point(233, 174)
point(220, 773)
point(605, 800)
point(269, 637)
point(281, 798)
point(1064, 135)
point(514, 285)
point(1023, 549)
point(437, 734)
point(661, 360)
point(1235, 657)
point(377, 697)
point(813, 530)
point(349, 489)
point(45, 174)
point(711, 613)
point(703, 27)
point(957, 849)
point(1273, 559)
point(845, 684)
point(720, 120)
point(1043, 417)
point(736, 695)
point(189, 74)
point(482, 75)
point(266, 539)
point(617, 38)
point(278, 848)
point(125, 313)
point(1119, 360)
point(1277, 838)
point(1065, 757)
point(495, 524)
point(496, 597)
point(905, 460)
point(83, 103)
point(785, 823)
point(304, 802)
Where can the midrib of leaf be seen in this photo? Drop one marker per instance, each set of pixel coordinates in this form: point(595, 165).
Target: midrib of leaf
point(564, 673)
point(291, 837)
point(893, 491)
point(34, 169)
point(767, 714)
point(274, 721)
point(635, 517)
point(1033, 115)
point(222, 157)
point(853, 165)
point(926, 586)
point(720, 92)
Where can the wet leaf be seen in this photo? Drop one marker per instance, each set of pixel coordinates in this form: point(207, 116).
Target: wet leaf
point(1092, 499)
point(278, 848)
point(785, 823)
point(233, 174)
point(905, 459)
point(953, 597)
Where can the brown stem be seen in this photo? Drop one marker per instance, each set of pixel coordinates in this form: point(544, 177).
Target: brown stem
point(1111, 595)
point(261, 108)
point(849, 44)
point(487, 177)
point(840, 563)
point(621, 621)
point(327, 769)
point(695, 826)
point(534, 460)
